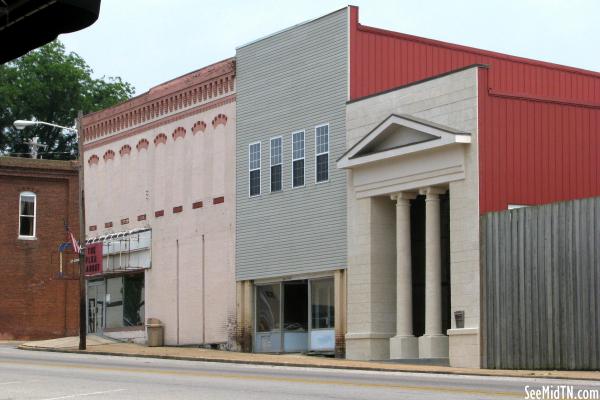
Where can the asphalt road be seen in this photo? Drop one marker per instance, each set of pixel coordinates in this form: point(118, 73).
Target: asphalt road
point(54, 376)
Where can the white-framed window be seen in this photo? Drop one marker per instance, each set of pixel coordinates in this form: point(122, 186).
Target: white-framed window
point(254, 168)
point(322, 153)
point(27, 208)
point(298, 159)
point(276, 152)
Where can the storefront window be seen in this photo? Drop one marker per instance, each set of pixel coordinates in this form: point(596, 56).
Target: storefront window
point(322, 300)
point(133, 304)
point(267, 306)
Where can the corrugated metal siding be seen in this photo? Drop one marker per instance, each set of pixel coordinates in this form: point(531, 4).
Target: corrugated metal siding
point(287, 82)
point(539, 122)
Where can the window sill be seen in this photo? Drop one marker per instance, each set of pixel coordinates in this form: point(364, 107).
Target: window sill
point(27, 237)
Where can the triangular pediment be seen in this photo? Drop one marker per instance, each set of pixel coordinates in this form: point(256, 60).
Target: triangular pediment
point(398, 135)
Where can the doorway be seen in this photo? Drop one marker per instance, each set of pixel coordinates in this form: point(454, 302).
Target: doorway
point(295, 316)
point(96, 295)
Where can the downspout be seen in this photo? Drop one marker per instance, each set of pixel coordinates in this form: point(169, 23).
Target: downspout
point(177, 278)
point(203, 296)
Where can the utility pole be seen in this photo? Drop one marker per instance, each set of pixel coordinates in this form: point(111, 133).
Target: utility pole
point(82, 288)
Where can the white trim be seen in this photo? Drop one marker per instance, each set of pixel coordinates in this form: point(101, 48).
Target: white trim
point(297, 159)
point(326, 152)
point(259, 169)
point(271, 164)
point(28, 237)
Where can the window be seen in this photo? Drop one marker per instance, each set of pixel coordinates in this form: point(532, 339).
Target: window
point(254, 167)
point(322, 152)
point(298, 159)
point(27, 215)
point(322, 303)
point(276, 164)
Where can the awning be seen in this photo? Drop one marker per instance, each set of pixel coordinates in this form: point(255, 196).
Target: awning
point(28, 24)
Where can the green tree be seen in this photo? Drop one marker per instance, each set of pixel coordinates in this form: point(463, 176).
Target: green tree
point(49, 84)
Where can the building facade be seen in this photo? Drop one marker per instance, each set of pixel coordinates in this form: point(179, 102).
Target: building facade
point(434, 135)
point(291, 200)
point(39, 289)
point(160, 198)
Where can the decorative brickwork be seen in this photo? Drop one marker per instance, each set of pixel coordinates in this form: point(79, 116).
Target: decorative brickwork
point(141, 217)
point(177, 209)
point(124, 221)
point(142, 144)
point(196, 205)
point(108, 225)
point(160, 138)
point(199, 126)
point(218, 200)
point(94, 159)
point(108, 155)
point(219, 119)
point(159, 213)
point(202, 86)
point(125, 150)
point(178, 133)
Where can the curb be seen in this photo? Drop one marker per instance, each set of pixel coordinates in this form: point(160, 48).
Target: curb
point(300, 365)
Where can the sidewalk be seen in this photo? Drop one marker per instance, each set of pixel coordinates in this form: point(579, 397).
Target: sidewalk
point(102, 346)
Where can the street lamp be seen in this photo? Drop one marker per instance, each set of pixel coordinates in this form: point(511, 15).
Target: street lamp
point(22, 124)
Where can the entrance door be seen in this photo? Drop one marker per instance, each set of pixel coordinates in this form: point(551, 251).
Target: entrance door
point(295, 316)
point(95, 300)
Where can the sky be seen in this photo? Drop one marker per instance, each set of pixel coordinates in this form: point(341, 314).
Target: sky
point(147, 42)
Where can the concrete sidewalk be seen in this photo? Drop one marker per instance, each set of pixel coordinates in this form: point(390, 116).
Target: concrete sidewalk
point(103, 346)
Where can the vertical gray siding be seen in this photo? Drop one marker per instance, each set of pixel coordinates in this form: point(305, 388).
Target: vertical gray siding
point(541, 285)
point(291, 81)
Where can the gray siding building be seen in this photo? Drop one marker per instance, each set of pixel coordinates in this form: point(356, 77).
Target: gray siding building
point(291, 215)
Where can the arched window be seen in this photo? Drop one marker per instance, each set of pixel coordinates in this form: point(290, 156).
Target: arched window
point(27, 205)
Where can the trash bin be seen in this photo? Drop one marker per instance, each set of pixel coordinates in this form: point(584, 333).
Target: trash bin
point(155, 332)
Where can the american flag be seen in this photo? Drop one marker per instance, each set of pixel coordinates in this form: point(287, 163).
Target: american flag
point(74, 243)
point(72, 239)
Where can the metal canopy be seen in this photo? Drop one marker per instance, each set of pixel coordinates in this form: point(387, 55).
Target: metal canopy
point(28, 24)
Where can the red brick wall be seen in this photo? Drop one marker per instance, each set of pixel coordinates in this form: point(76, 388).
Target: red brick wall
point(34, 303)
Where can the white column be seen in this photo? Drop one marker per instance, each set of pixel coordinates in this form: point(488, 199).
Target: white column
point(404, 345)
point(434, 344)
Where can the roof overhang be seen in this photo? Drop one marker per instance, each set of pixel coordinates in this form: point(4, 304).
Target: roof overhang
point(28, 24)
point(420, 135)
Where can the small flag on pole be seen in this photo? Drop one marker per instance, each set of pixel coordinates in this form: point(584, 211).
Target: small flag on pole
point(74, 243)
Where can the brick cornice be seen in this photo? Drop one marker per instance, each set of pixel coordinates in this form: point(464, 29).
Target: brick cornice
point(196, 88)
point(163, 121)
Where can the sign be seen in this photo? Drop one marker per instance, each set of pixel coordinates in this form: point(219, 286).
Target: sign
point(93, 258)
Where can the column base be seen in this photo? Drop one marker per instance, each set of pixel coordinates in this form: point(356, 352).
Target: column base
point(404, 347)
point(367, 346)
point(433, 346)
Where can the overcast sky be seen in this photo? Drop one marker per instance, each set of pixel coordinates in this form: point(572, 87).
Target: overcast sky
point(147, 42)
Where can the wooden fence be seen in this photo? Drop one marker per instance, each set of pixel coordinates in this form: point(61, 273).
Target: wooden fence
point(541, 287)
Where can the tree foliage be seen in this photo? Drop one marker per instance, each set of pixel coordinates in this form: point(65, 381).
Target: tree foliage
point(49, 84)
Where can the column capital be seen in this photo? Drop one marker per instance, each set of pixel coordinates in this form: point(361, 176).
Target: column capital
point(432, 191)
point(404, 196)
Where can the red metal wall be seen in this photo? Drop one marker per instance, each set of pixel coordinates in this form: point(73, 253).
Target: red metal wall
point(539, 123)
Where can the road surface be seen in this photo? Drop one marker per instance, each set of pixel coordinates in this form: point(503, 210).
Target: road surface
point(53, 376)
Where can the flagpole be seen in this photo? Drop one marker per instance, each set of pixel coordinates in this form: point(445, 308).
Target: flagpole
point(82, 288)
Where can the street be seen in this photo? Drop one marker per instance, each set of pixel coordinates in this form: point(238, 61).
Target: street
point(53, 376)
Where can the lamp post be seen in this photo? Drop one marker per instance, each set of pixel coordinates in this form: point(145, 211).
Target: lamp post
point(22, 124)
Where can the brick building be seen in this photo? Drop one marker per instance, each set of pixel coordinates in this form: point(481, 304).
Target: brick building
point(37, 198)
